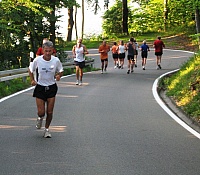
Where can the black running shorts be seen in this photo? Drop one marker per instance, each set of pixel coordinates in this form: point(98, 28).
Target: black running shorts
point(144, 54)
point(45, 92)
point(130, 57)
point(80, 64)
point(115, 55)
point(136, 52)
point(102, 60)
point(121, 55)
point(158, 53)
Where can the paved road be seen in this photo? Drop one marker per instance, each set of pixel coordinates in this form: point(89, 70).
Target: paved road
point(112, 125)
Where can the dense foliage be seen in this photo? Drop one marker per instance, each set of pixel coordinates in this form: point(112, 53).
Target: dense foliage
point(24, 24)
point(152, 15)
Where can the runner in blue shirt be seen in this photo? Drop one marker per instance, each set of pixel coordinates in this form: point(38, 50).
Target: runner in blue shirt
point(144, 53)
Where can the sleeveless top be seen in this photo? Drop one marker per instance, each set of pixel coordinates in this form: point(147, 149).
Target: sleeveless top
point(121, 49)
point(130, 49)
point(79, 54)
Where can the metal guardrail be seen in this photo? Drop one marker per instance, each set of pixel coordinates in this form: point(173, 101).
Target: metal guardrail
point(23, 72)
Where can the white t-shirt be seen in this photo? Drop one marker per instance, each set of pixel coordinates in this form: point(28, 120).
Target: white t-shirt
point(80, 57)
point(46, 69)
point(136, 46)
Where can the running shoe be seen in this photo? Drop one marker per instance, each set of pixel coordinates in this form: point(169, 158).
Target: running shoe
point(77, 82)
point(132, 71)
point(115, 67)
point(80, 83)
point(159, 66)
point(39, 122)
point(135, 65)
point(143, 68)
point(47, 134)
point(128, 71)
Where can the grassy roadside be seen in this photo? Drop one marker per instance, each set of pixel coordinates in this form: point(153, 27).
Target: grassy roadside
point(183, 87)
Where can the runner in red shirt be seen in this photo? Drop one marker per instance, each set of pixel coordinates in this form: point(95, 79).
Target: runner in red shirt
point(158, 45)
point(40, 50)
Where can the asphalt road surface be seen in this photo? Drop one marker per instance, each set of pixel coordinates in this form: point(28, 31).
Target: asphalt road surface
point(111, 125)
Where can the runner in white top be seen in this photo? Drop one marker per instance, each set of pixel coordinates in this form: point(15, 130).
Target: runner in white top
point(136, 52)
point(79, 50)
point(46, 69)
point(121, 52)
point(50, 68)
point(80, 57)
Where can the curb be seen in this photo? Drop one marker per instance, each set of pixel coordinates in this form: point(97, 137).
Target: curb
point(179, 112)
point(173, 110)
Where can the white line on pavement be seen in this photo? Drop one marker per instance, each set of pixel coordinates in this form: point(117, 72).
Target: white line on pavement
point(171, 114)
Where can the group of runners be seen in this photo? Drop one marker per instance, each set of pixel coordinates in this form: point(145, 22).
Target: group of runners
point(49, 69)
point(132, 48)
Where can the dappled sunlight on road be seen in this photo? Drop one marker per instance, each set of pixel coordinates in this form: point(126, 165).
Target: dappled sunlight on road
point(67, 96)
point(54, 129)
point(71, 84)
point(13, 127)
point(173, 56)
point(94, 54)
point(58, 128)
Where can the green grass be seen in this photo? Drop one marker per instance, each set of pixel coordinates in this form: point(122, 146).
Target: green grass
point(12, 86)
point(184, 87)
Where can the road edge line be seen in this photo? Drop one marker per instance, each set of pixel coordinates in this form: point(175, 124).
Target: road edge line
point(167, 110)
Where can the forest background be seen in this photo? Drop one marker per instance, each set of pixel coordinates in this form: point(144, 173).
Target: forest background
point(24, 24)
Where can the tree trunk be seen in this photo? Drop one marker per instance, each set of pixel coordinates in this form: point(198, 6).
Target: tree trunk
point(165, 13)
point(70, 24)
point(83, 17)
point(197, 19)
point(52, 21)
point(75, 16)
point(125, 17)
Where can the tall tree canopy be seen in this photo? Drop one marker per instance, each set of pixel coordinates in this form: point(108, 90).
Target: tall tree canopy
point(24, 24)
point(153, 15)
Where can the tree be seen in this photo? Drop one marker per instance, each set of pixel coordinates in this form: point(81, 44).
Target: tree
point(70, 23)
point(197, 19)
point(165, 13)
point(52, 20)
point(112, 19)
point(83, 18)
point(125, 17)
point(75, 21)
point(24, 24)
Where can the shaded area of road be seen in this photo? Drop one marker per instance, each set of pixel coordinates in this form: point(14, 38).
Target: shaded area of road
point(111, 125)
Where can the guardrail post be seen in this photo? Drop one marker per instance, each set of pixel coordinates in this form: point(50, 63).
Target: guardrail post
point(24, 79)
